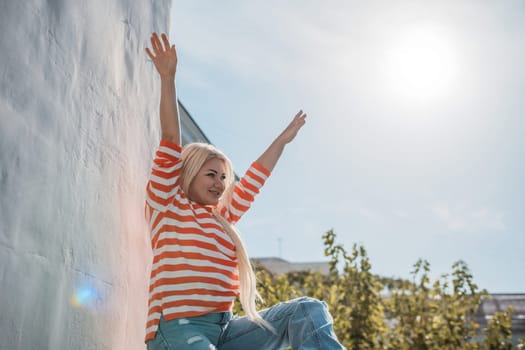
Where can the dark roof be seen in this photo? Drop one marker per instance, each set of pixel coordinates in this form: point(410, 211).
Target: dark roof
point(191, 131)
point(500, 302)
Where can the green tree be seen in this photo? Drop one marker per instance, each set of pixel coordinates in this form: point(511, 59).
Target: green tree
point(498, 335)
point(354, 296)
point(372, 312)
point(435, 316)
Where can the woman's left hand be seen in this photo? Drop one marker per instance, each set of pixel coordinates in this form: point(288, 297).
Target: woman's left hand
point(272, 154)
point(292, 129)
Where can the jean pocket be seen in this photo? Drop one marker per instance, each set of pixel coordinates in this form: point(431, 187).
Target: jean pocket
point(158, 343)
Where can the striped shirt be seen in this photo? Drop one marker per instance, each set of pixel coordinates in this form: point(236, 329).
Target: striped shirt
point(194, 269)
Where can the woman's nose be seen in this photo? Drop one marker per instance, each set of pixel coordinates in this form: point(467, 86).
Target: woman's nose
point(219, 183)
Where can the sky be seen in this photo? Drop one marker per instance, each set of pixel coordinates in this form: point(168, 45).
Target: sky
point(414, 144)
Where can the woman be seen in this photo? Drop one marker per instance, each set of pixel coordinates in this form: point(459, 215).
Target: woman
point(199, 261)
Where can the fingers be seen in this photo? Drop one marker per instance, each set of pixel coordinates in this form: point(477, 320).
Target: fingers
point(293, 128)
point(155, 43)
point(166, 42)
point(299, 118)
point(297, 123)
point(150, 54)
point(298, 114)
point(159, 46)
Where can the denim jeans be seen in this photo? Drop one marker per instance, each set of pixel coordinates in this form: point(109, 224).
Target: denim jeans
point(302, 324)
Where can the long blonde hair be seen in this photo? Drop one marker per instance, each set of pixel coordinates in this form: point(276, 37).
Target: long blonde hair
point(194, 155)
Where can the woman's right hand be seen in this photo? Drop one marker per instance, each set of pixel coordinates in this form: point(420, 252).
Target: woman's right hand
point(164, 55)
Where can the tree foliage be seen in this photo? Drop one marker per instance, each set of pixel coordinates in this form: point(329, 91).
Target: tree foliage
point(372, 312)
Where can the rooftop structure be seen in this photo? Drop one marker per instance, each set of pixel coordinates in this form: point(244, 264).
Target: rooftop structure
point(190, 131)
point(500, 302)
point(281, 266)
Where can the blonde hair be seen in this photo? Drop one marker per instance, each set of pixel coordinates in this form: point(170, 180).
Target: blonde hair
point(194, 155)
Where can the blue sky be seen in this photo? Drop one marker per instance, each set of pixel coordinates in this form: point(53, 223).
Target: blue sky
point(414, 143)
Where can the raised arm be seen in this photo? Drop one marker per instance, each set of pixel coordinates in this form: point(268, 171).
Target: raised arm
point(272, 154)
point(164, 58)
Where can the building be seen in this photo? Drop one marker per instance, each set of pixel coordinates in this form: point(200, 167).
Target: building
point(281, 266)
point(190, 131)
point(500, 302)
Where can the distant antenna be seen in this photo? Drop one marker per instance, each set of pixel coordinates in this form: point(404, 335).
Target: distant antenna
point(280, 240)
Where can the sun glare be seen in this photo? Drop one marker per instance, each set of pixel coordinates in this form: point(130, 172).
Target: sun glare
point(421, 63)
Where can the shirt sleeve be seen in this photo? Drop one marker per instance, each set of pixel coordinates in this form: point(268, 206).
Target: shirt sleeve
point(164, 178)
point(233, 206)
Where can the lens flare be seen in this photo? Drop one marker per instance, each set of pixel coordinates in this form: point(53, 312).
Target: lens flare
point(84, 297)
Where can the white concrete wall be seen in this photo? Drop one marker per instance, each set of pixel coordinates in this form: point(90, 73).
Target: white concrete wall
point(78, 118)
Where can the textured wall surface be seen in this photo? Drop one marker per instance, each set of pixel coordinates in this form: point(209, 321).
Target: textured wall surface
point(78, 112)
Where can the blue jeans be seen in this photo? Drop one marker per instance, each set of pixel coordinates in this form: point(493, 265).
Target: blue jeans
point(302, 324)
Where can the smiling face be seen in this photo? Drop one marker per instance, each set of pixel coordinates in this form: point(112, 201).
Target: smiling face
point(209, 183)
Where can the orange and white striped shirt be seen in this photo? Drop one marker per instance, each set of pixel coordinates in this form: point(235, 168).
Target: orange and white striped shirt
point(194, 269)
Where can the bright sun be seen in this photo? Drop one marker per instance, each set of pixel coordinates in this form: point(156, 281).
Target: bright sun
point(422, 63)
